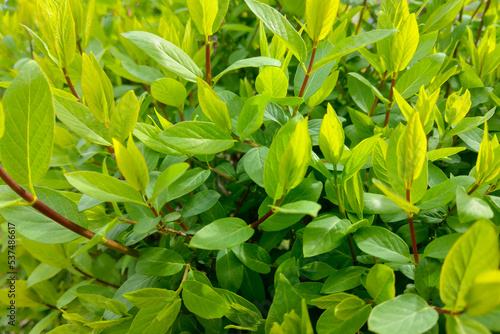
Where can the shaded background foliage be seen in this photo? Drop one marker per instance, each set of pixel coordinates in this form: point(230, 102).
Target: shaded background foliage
point(229, 166)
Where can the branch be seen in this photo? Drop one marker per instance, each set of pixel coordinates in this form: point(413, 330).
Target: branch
point(70, 84)
point(61, 220)
point(267, 215)
point(95, 278)
point(183, 225)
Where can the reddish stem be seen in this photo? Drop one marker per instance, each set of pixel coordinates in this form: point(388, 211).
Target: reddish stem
point(388, 112)
point(374, 105)
point(308, 74)
point(207, 61)
point(70, 84)
point(61, 220)
point(184, 226)
point(454, 207)
point(482, 21)
point(267, 215)
point(95, 278)
point(360, 17)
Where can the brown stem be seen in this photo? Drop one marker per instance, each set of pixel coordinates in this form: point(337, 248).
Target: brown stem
point(267, 215)
point(181, 114)
point(482, 21)
point(412, 228)
point(246, 141)
point(241, 201)
point(184, 226)
point(388, 112)
point(308, 74)
point(214, 170)
point(477, 9)
point(153, 210)
point(353, 251)
point(79, 44)
point(70, 84)
point(444, 311)
point(374, 105)
point(95, 278)
point(360, 17)
point(61, 220)
point(169, 230)
point(207, 61)
point(187, 270)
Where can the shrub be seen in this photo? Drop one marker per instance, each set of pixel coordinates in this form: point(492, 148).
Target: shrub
point(233, 166)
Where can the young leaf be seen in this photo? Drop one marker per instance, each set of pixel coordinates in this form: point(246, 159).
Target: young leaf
point(484, 294)
point(320, 16)
point(405, 43)
point(169, 91)
point(272, 81)
point(132, 164)
point(212, 106)
point(124, 117)
point(222, 233)
point(299, 207)
point(26, 146)
point(380, 283)
point(65, 35)
point(331, 137)
point(295, 159)
point(203, 13)
point(358, 157)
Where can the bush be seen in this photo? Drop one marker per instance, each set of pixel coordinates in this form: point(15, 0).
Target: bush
point(232, 166)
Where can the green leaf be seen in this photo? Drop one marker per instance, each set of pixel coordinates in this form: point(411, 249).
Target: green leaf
point(41, 273)
point(353, 43)
point(65, 35)
point(419, 74)
point(484, 294)
point(441, 153)
point(160, 317)
point(471, 208)
point(253, 162)
point(358, 157)
point(103, 187)
point(331, 137)
point(345, 279)
point(439, 248)
point(405, 43)
point(394, 315)
point(183, 185)
point(411, 151)
point(328, 323)
point(324, 234)
point(252, 115)
point(299, 207)
point(212, 106)
point(148, 297)
point(272, 81)
point(382, 243)
point(197, 138)
point(380, 283)
point(444, 192)
point(427, 278)
point(165, 53)
point(200, 202)
point(443, 16)
point(79, 118)
point(203, 13)
point(229, 270)
point(462, 325)
point(249, 62)
point(203, 300)
point(475, 252)
point(286, 300)
point(26, 146)
point(109, 304)
point(169, 176)
point(124, 117)
point(222, 233)
point(280, 26)
point(254, 257)
point(156, 261)
point(132, 164)
point(169, 91)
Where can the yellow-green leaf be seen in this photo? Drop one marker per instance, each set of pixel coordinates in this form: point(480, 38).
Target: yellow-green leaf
point(272, 81)
point(65, 35)
point(411, 150)
point(485, 156)
point(405, 43)
point(203, 13)
point(320, 15)
point(331, 137)
point(484, 295)
point(400, 201)
point(475, 252)
point(124, 117)
point(212, 106)
point(457, 107)
point(2, 120)
point(405, 107)
point(295, 160)
point(132, 164)
point(97, 88)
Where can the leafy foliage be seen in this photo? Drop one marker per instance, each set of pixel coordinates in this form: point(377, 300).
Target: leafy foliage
point(337, 174)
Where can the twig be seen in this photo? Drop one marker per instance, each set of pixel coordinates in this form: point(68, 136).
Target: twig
point(374, 105)
point(241, 201)
point(308, 74)
point(184, 226)
point(70, 84)
point(412, 228)
point(267, 215)
point(388, 112)
point(360, 17)
point(95, 278)
point(61, 220)
point(207, 61)
point(482, 21)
